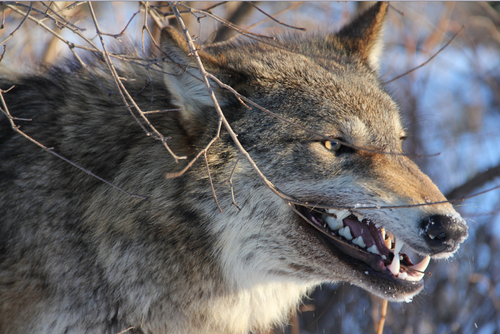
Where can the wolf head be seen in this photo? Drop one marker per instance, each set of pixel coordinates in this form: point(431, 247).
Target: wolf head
point(357, 199)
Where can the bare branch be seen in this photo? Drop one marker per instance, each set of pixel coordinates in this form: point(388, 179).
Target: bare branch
point(428, 60)
point(6, 112)
point(3, 52)
point(383, 314)
point(475, 182)
point(276, 14)
point(19, 26)
point(226, 23)
point(318, 135)
point(123, 91)
point(210, 179)
point(124, 29)
point(160, 111)
point(243, 10)
point(64, 20)
point(231, 183)
point(234, 137)
point(275, 20)
point(70, 45)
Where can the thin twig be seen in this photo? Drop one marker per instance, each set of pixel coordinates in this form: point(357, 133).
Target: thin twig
point(71, 46)
point(3, 53)
point(211, 182)
point(275, 20)
point(428, 60)
point(124, 29)
point(160, 111)
point(383, 314)
point(123, 91)
point(227, 23)
point(396, 10)
point(269, 18)
point(319, 135)
point(144, 26)
point(205, 75)
point(153, 13)
point(20, 24)
point(6, 112)
point(287, 198)
point(187, 11)
point(56, 13)
point(231, 183)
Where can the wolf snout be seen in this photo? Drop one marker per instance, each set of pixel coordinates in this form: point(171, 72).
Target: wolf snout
point(444, 234)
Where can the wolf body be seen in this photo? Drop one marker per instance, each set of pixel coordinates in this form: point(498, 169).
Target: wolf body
point(78, 256)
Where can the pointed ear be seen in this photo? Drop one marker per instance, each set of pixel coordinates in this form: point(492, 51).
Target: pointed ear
point(364, 34)
point(182, 76)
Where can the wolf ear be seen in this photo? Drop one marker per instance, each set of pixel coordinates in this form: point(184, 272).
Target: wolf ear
point(182, 76)
point(364, 34)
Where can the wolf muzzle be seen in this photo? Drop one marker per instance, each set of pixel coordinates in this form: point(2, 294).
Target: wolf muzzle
point(443, 234)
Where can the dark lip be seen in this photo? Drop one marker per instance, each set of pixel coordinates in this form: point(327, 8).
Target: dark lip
point(364, 262)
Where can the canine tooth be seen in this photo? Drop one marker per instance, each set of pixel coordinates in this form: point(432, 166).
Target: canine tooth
point(359, 241)
point(334, 224)
point(397, 248)
point(343, 214)
point(346, 232)
point(422, 265)
point(403, 275)
point(394, 266)
point(332, 212)
point(415, 277)
point(388, 243)
point(359, 216)
point(383, 233)
point(373, 249)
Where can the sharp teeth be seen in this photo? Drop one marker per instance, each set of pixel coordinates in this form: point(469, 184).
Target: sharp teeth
point(403, 275)
point(334, 224)
point(422, 265)
point(340, 214)
point(373, 249)
point(414, 277)
point(394, 266)
point(388, 243)
point(332, 212)
point(383, 233)
point(360, 217)
point(346, 232)
point(397, 247)
point(359, 241)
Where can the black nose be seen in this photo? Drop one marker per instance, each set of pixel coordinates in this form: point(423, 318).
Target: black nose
point(443, 233)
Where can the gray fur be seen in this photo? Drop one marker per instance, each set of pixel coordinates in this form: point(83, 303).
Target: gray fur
point(77, 256)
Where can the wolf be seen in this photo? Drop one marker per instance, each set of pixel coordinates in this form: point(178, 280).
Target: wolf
point(79, 256)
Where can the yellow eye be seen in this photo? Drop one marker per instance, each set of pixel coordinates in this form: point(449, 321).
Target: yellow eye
point(332, 145)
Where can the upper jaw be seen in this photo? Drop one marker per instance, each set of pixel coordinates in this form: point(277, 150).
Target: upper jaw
point(368, 242)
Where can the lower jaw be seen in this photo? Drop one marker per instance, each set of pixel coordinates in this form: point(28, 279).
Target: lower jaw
point(377, 281)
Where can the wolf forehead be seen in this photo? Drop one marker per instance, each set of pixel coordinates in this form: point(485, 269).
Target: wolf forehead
point(330, 88)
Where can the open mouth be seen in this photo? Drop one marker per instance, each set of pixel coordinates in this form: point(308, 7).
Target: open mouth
point(363, 240)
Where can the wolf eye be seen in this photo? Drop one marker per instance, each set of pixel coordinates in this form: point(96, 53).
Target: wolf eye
point(332, 145)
